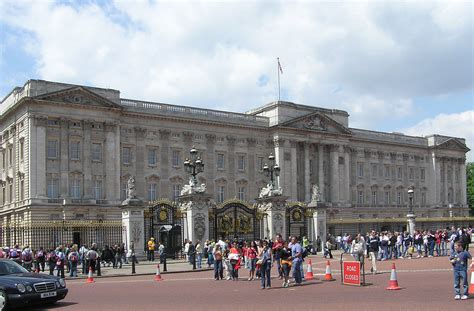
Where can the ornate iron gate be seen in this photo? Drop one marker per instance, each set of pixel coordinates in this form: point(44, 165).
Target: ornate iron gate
point(234, 220)
point(296, 220)
point(163, 222)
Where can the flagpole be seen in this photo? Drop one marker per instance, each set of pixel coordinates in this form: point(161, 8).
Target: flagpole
point(278, 71)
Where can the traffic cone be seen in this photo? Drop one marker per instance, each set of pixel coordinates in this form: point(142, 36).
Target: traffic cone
point(90, 279)
point(309, 275)
point(393, 283)
point(158, 275)
point(328, 276)
point(471, 285)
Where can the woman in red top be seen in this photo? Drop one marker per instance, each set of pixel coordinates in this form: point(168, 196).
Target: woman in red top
point(252, 258)
point(234, 258)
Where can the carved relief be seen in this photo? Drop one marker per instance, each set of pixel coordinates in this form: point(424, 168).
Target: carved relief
point(165, 134)
point(277, 223)
point(200, 225)
point(136, 231)
point(315, 123)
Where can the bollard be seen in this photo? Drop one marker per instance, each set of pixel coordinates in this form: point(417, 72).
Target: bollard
point(133, 264)
point(164, 262)
point(98, 267)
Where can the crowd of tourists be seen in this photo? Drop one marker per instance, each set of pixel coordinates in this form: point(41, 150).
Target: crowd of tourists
point(257, 257)
point(67, 258)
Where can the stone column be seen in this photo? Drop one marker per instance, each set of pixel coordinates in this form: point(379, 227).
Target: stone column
point(274, 207)
point(307, 183)
point(140, 151)
point(334, 157)
point(436, 196)
point(347, 178)
point(294, 172)
point(453, 180)
point(64, 159)
point(196, 208)
point(232, 168)
point(251, 169)
point(37, 154)
point(462, 181)
point(165, 161)
point(321, 171)
point(86, 161)
point(134, 224)
point(319, 223)
point(445, 180)
point(111, 158)
point(210, 162)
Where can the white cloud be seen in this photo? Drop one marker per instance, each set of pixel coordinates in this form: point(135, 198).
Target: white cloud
point(456, 124)
point(213, 54)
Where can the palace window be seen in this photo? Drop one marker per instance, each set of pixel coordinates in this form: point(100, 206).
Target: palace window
point(22, 189)
point(152, 157)
point(374, 197)
point(74, 150)
point(387, 171)
point(399, 198)
point(220, 194)
point(241, 193)
point(422, 174)
point(22, 149)
point(151, 192)
point(423, 198)
point(360, 197)
point(97, 189)
point(10, 156)
point(176, 191)
point(176, 158)
point(241, 165)
point(360, 169)
point(412, 173)
point(311, 167)
point(123, 191)
point(387, 198)
point(52, 149)
point(96, 152)
point(126, 155)
point(75, 188)
point(220, 161)
point(260, 163)
point(374, 170)
point(53, 188)
point(399, 172)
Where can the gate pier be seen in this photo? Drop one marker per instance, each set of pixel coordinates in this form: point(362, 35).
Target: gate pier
point(274, 207)
point(133, 224)
point(195, 210)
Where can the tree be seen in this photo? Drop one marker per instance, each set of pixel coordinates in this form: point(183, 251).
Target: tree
point(470, 186)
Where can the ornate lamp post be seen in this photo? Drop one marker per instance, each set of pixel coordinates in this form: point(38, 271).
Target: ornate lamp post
point(194, 165)
point(411, 215)
point(271, 170)
point(410, 199)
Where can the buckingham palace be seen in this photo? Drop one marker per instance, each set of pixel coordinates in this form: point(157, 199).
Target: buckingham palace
point(68, 151)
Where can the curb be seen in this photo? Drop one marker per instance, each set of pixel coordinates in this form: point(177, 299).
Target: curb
point(137, 274)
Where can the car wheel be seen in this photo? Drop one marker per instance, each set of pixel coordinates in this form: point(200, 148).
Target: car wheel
point(3, 300)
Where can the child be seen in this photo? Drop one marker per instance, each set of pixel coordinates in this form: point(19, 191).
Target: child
point(459, 260)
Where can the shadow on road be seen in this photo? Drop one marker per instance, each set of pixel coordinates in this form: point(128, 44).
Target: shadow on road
point(57, 305)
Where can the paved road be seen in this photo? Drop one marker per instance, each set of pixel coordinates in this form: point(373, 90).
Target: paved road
point(426, 283)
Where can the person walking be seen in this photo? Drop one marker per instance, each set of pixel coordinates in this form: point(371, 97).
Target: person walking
point(199, 251)
point(459, 259)
point(266, 265)
point(218, 270)
point(73, 259)
point(252, 258)
point(358, 248)
point(297, 256)
point(373, 250)
point(285, 261)
point(151, 249)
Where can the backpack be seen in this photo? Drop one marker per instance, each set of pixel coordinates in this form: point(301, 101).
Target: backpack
point(27, 257)
point(51, 256)
point(73, 257)
point(14, 253)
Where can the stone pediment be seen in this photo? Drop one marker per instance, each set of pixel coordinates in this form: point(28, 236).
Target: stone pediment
point(79, 96)
point(316, 122)
point(452, 144)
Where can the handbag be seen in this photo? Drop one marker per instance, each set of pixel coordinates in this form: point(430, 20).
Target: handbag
point(260, 262)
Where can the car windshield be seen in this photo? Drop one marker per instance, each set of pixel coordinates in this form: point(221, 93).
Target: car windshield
point(10, 267)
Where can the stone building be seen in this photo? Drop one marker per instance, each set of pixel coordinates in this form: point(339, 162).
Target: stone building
point(67, 152)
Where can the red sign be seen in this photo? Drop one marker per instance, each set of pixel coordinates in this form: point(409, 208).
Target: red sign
point(351, 272)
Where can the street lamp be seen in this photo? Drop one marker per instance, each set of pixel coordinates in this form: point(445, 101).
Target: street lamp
point(410, 199)
point(194, 165)
point(271, 170)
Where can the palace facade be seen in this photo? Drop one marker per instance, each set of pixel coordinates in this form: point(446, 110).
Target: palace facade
point(67, 152)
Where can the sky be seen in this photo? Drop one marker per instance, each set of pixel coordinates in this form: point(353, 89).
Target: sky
point(394, 66)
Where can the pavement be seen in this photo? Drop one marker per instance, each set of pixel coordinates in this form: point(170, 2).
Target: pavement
point(426, 284)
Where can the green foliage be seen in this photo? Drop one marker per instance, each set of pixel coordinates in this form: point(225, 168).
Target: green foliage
point(470, 186)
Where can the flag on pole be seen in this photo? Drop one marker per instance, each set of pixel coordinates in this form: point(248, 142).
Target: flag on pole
point(279, 65)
